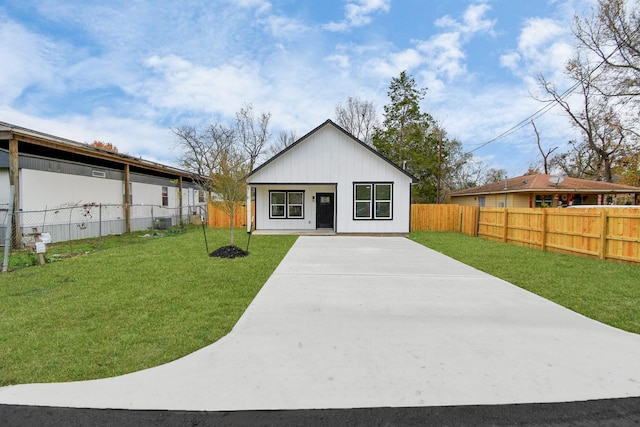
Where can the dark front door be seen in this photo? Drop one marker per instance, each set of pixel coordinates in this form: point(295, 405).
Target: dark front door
point(324, 210)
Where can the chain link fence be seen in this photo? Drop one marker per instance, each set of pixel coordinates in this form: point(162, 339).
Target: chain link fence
point(94, 221)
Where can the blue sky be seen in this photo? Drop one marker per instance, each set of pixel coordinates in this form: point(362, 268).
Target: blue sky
point(126, 71)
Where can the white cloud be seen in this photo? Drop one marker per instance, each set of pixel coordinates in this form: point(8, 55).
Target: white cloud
point(284, 27)
point(260, 5)
point(543, 48)
point(510, 60)
point(445, 54)
point(181, 85)
point(33, 64)
point(473, 20)
point(358, 13)
point(394, 63)
point(342, 61)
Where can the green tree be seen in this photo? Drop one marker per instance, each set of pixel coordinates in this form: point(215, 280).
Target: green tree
point(410, 137)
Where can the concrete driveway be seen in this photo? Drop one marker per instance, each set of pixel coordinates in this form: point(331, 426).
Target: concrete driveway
point(348, 322)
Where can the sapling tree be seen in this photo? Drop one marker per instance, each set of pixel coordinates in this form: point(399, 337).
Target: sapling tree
point(221, 156)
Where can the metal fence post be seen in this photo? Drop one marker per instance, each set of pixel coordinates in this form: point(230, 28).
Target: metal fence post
point(100, 226)
point(9, 229)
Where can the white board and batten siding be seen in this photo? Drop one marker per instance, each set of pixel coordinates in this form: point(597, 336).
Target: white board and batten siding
point(328, 160)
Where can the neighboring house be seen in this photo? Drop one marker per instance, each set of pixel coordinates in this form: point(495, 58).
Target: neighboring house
point(328, 180)
point(52, 173)
point(530, 191)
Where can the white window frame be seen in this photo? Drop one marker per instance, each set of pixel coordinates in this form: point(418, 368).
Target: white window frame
point(377, 201)
point(372, 202)
point(292, 205)
point(287, 205)
point(272, 205)
point(362, 201)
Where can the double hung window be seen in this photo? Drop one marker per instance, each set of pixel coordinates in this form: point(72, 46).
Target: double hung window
point(372, 200)
point(286, 204)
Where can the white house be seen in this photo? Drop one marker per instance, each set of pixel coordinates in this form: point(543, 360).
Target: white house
point(329, 180)
point(66, 187)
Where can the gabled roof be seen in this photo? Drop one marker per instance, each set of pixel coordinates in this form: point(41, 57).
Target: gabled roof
point(541, 183)
point(331, 123)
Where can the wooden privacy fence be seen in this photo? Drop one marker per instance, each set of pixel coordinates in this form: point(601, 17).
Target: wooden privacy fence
point(605, 233)
point(463, 219)
point(218, 218)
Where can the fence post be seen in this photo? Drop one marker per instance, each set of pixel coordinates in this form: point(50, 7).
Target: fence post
point(505, 235)
point(100, 226)
point(544, 230)
point(8, 231)
point(603, 233)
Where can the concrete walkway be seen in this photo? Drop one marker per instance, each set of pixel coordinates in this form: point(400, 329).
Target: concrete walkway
point(347, 322)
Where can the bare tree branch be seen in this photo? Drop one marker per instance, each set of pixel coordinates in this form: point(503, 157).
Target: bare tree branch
point(358, 118)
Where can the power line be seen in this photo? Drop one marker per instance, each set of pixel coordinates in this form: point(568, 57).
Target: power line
point(540, 112)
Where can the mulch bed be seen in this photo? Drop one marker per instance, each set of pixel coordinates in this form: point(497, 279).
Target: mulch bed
point(229, 252)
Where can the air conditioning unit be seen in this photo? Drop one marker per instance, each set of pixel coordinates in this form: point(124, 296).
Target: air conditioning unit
point(162, 223)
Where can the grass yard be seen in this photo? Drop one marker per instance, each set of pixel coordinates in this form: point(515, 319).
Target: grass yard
point(606, 291)
point(127, 308)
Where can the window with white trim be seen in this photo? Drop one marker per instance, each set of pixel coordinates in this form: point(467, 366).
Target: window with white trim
point(165, 196)
point(372, 200)
point(295, 204)
point(286, 204)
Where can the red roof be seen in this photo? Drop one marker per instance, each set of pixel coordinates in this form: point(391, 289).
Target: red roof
point(541, 183)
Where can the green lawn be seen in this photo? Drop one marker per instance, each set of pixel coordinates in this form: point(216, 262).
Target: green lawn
point(602, 290)
point(127, 308)
point(152, 300)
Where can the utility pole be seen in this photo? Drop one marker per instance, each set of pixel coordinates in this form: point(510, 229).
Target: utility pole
point(439, 166)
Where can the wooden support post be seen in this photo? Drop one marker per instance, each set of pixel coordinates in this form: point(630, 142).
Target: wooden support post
point(249, 210)
point(127, 199)
point(14, 180)
point(505, 236)
point(603, 233)
point(180, 199)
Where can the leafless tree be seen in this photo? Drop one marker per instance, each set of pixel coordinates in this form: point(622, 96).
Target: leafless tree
point(253, 133)
point(200, 152)
point(612, 33)
point(578, 162)
point(357, 117)
point(285, 139)
point(545, 155)
point(220, 157)
point(596, 118)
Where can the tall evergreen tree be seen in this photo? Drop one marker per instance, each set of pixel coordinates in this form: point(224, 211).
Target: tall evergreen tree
point(409, 137)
